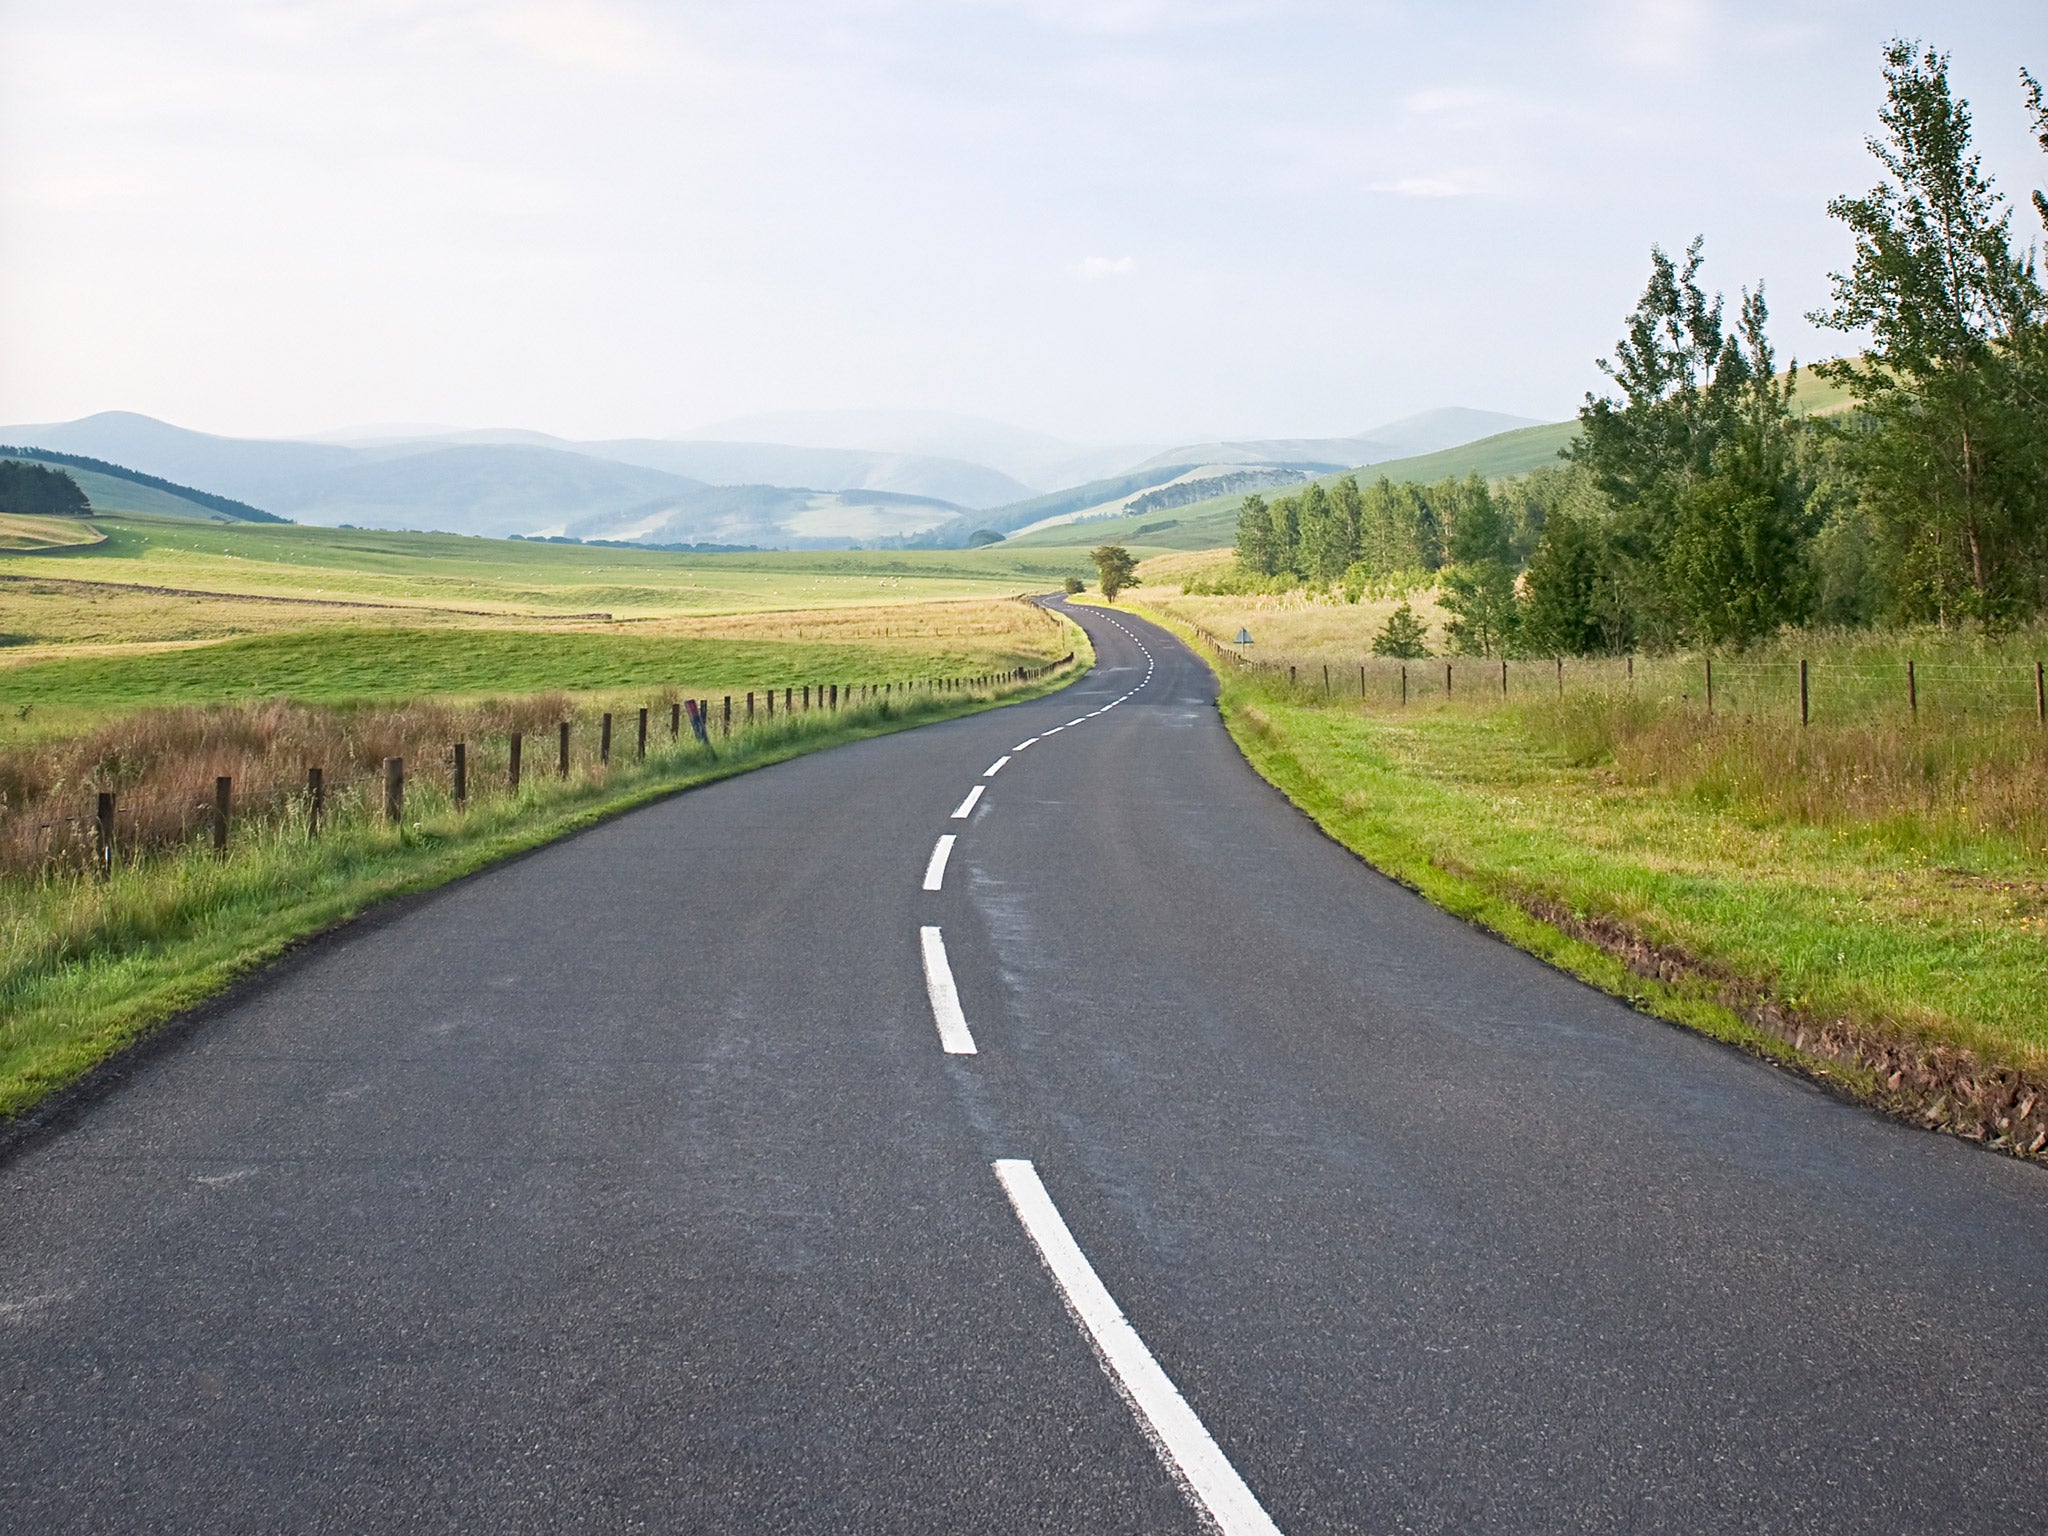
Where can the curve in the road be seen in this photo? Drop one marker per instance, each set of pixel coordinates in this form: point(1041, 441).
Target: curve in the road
point(624, 1187)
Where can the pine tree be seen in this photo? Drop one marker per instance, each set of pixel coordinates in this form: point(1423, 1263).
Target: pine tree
point(1403, 636)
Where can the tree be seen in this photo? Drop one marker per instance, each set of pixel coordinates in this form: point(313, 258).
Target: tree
point(1947, 446)
point(1735, 565)
point(34, 490)
point(1403, 636)
point(1073, 585)
point(1115, 568)
point(1560, 611)
point(1257, 550)
point(1328, 523)
point(1479, 585)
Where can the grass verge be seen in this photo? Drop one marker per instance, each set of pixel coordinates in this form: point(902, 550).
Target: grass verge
point(88, 968)
point(1904, 974)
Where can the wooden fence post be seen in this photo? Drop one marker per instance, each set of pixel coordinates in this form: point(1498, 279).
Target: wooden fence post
point(103, 820)
point(223, 796)
point(1912, 692)
point(394, 789)
point(1802, 690)
point(461, 775)
point(316, 800)
point(562, 760)
point(2040, 695)
point(1710, 685)
point(1560, 677)
point(1404, 682)
point(675, 719)
point(1447, 680)
point(750, 706)
point(604, 739)
point(727, 728)
point(640, 751)
point(771, 703)
point(835, 696)
point(512, 772)
point(1503, 677)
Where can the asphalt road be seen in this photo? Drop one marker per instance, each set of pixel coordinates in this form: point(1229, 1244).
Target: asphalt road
point(633, 1186)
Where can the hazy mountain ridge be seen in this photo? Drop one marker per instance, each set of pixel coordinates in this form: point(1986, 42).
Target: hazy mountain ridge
point(701, 488)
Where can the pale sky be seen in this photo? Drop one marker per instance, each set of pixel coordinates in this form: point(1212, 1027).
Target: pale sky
point(1131, 220)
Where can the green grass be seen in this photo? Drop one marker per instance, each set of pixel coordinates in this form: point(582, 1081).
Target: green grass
point(343, 665)
point(88, 967)
point(512, 576)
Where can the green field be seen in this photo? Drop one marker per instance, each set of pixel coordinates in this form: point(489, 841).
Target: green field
point(375, 665)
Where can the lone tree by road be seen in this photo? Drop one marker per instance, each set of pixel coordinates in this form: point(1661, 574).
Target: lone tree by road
point(1073, 585)
point(1116, 569)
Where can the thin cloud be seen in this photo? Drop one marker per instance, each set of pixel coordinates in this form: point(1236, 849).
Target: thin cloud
point(1093, 269)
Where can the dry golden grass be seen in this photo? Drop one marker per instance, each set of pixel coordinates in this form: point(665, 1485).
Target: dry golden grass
point(18, 532)
point(1297, 626)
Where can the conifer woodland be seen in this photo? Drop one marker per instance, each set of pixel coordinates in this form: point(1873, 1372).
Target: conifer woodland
point(1700, 505)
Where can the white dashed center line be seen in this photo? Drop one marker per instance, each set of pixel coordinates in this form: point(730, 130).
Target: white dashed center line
point(1191, 1456)
point(967, 805)
point(935, 871)
point(995, 767)
point(1023, 744)
point(938, 981)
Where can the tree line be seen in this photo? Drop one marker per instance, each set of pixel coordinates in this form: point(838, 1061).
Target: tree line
point(1698, 505)
point(34, 490)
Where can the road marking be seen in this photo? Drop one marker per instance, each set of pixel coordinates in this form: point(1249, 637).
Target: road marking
point(1191, 1458)
point(967, 805)
point(1023, 744)
point(996, 767)
point(1076, 722)
point(938, 981)
point(935, 871)
point(1055, 730)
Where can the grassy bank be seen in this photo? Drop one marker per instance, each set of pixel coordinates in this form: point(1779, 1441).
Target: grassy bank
point(1862, 898)
point(88, 966)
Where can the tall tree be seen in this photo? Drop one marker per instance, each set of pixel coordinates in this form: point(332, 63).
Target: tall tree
point(1735, 564)
point(1479, 583)
point(1257, 549)
point(1947, 445)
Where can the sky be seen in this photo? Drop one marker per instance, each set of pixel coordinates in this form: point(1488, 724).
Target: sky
point(1126, 221)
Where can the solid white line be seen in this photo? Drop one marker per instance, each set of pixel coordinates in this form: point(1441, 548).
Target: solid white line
point(996, 767)
point(1022, 745)
point(935, 871)
point(967, 805)
point(1190, 1456)
point(938, 980)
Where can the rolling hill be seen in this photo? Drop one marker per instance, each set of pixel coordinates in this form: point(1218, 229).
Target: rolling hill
point(1209, 524)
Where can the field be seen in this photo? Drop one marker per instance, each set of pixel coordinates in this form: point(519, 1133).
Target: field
point(1861, 896)
point(45, 533)
point(175, 652)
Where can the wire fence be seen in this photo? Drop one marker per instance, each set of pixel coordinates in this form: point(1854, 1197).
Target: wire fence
point(1811, 691)
point(286, 769)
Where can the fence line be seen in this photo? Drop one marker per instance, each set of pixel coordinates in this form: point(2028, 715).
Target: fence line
point(1791, 689)
point(125, 822)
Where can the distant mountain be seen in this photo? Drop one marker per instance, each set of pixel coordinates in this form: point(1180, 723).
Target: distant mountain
point(116, 488)
point(1039, 461)
point(1427, 433)
point(743, 463)
point(501, 483)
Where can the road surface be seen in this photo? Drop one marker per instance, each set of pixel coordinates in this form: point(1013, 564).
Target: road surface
point(1136, 1161)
